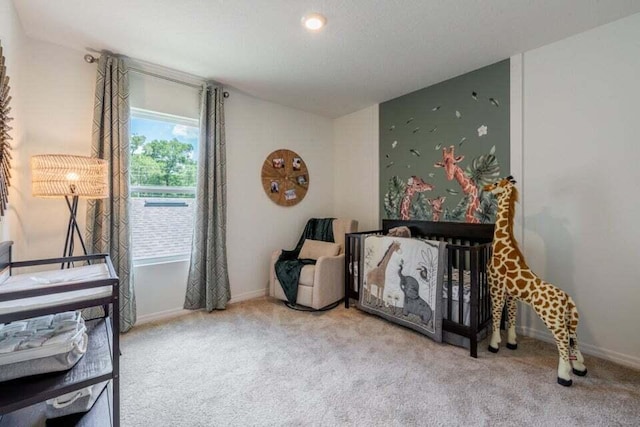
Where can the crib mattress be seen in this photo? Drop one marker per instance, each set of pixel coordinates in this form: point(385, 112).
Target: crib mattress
point(43, 279)
point(466, 292)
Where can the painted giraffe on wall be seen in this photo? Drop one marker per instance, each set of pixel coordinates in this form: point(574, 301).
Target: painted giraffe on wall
point(436, 207)
point(510, 278)
point(376, 275)
point(414, 185)
point(450, 164)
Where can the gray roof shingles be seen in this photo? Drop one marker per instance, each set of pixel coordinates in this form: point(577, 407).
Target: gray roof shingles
point(159, 231)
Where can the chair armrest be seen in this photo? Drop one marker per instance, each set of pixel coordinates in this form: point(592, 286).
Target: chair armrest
point(328, 282)
point(272, 271)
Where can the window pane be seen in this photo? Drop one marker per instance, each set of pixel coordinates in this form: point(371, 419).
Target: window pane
point(161, 226)
point(163, 178)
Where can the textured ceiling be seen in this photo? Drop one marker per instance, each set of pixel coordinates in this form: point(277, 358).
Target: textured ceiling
point(370, 51)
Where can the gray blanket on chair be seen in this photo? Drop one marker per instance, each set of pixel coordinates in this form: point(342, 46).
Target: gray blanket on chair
point(288, 266)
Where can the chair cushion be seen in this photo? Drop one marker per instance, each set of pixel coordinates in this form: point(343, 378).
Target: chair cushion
point(314, 249)
point(307, 275)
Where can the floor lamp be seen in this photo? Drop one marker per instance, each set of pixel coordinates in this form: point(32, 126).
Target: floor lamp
point(71, 177)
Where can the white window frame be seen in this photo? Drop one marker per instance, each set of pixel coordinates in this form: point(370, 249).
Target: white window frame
point(169, 118)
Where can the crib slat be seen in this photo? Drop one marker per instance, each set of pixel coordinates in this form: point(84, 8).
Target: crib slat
point(473, 261)
point(450, 258)
point(461, 286)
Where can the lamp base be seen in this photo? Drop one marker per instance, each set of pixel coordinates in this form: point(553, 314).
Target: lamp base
point(72, 230)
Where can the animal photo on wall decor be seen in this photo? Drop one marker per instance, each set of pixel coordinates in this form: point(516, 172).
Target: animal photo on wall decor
point(511, 280)
point(440, 145)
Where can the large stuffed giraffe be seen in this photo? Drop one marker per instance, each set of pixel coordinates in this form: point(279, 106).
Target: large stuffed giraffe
point(450, 164)
point(414, 185)
point(436, 207)
point(511, 279)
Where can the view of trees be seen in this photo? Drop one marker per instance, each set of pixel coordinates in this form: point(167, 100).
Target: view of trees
point(162, 162)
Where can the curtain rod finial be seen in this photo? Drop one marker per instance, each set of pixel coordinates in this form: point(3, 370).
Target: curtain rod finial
point(90, 58)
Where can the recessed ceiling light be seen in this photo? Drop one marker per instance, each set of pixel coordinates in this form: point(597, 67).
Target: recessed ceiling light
point(314, 21)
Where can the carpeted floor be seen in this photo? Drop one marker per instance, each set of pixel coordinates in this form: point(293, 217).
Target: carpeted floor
point(260, 363)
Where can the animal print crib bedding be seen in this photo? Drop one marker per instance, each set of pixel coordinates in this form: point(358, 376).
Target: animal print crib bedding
point(402, 282)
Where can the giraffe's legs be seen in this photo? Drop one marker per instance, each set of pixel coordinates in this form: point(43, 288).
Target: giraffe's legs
point(564, 366)
point(561, 335)
point(497, 303)
point(512, 311)
point(575, 356)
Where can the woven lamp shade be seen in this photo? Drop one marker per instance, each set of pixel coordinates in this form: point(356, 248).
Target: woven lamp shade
point(59, 175)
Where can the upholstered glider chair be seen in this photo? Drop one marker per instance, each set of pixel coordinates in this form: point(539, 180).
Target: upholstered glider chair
point(321, 284)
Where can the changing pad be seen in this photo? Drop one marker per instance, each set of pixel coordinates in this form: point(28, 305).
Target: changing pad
point(40, 345)
point(21, 282)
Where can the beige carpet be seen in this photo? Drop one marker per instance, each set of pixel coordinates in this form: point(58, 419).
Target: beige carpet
point(260, 363)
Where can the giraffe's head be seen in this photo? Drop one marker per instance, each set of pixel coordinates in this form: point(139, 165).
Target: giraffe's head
point(436, 204)
point(449, 161)
point(395, 247)
point(499, 187)
point(417, 185)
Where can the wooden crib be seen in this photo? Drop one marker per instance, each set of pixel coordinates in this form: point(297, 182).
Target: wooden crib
point(468, 252)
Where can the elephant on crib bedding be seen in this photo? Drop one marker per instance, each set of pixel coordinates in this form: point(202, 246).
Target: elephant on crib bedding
point(413, 304)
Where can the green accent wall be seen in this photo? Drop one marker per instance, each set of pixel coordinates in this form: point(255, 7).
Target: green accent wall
point(415, 127)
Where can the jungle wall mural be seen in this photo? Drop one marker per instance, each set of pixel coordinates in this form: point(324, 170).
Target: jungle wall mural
point(441, 144)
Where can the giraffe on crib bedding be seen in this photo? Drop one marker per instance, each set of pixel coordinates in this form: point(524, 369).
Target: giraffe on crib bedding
point(510, 279)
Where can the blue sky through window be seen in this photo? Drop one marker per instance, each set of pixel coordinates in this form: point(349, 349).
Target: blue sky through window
point(165, 130)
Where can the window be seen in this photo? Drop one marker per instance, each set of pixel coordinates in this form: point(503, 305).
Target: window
point(163, 178)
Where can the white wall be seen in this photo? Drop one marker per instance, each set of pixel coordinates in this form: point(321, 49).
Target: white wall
point(355, 154)
point(580, 155)
point(57, 94)
point(255, 225)
point(13, 45)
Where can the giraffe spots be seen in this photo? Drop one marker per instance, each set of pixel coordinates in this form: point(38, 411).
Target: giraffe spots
point(521, 283)
point(511, 265)
point(527, 275)
point(499, 246)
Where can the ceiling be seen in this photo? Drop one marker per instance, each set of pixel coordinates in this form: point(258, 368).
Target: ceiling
point(370, 51)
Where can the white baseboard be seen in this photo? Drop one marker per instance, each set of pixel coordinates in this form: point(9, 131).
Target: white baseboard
point(248, 295)
point(592, 350)
point(162, 315)
point(176, 312)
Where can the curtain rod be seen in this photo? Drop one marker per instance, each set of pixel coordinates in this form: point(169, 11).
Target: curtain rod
point(91, 59)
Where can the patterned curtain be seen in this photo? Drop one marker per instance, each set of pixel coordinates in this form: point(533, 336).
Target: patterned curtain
point(108, 219)
point(208, 283)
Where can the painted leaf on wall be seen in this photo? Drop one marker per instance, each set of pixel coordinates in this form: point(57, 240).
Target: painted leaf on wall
point(393, 198)
point(420, 208)
point(457, 214)
point(488, 207)
point(484, 169)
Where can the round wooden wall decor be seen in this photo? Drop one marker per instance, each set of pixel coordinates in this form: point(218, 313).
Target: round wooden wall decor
point(285, 177)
